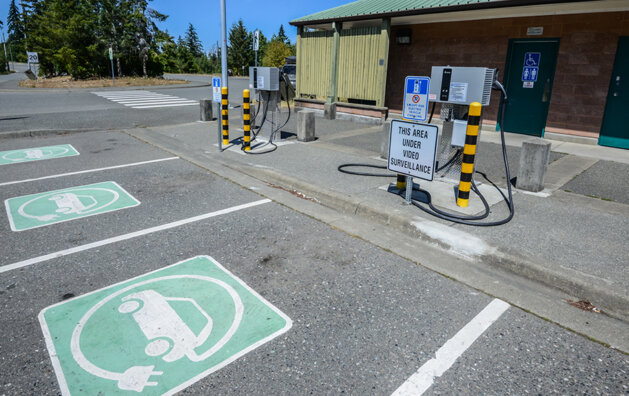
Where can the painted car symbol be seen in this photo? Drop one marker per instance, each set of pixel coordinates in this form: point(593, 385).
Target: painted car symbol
point(34, 154)
point(163, 327)
point(71, 203)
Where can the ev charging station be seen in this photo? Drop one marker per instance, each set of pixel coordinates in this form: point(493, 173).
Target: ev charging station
point(421, 150)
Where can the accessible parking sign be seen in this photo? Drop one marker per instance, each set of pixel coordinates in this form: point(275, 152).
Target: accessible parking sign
point(157, 333)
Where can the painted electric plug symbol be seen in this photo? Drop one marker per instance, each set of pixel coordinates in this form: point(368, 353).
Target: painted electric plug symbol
point(163, 327)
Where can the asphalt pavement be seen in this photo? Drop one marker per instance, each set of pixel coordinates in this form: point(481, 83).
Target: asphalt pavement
point(334, 299)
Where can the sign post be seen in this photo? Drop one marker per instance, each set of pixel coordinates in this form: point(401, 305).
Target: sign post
point(111, 60)
point(217, 98)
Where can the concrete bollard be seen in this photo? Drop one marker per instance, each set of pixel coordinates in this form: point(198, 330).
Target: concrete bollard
point(305, 126)
point(533, 164)
point(206, 110)
point(216, 108)
point(329, 111)
point(384, 142)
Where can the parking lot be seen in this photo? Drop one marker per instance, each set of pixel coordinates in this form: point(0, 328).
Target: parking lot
point(127, 269)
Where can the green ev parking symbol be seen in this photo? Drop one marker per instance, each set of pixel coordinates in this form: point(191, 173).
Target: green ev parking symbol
point(157, 333)
point(38, 210)
point(37, 154)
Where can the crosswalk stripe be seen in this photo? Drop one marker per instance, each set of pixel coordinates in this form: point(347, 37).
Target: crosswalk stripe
point(145, 99)
point(165, 105)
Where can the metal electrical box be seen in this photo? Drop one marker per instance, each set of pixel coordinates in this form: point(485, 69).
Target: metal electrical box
point(461, 85)
point(264, 78)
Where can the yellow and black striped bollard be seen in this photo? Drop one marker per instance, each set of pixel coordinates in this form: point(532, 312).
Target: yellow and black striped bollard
point(246, 121)
point(469, 151)
point(401, 182)
point(225, 116)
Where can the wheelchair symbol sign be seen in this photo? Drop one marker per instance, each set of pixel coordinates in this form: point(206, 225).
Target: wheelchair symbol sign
point(532, 59)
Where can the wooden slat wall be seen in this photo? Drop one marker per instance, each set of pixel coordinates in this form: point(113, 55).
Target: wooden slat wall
point(359, 74)
point(314, 64)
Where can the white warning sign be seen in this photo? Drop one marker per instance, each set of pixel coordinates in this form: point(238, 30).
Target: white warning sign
point(413, 149)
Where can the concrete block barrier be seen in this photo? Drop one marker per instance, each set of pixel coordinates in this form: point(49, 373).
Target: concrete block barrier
point(206, 109)
point(533, 164)
point(305, 126)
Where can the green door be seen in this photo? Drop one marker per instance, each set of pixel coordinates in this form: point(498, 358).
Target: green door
point(615, 128)
point(529, 73)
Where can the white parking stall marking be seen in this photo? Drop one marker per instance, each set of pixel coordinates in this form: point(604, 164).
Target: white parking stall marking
point(131, 235)
point(87, 171)
point(445, 357)
point(138, 99)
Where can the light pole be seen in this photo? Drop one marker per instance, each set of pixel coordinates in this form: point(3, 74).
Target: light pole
point(224, 46)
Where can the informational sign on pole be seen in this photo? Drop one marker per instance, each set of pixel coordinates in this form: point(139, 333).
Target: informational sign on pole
point(256, 40)
point(256, 44)
point(416, 98)
point(33, 57)
point(216, 89)
point(413, 148)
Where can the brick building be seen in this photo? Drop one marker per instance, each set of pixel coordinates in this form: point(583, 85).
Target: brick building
point(580, 86)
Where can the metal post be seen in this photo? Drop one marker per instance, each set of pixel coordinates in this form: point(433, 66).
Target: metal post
point(6, 58)
point(11, 53)
point(409, 189)
point(246, 121)
point(224, 46)
point(469, 151)
point(225, 116)
point(111, 60)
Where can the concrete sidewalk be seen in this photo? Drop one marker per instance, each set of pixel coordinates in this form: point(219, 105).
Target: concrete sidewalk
point(571, 237)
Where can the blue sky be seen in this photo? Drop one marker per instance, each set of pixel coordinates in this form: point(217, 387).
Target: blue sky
point(266, 15)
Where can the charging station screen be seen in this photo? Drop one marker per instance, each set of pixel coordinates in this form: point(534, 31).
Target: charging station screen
point(413, 149)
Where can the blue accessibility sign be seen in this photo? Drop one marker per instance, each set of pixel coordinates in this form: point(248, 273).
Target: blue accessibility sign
point(416, 98)
point(530, 73)
point(216, 89)
point(532, 59)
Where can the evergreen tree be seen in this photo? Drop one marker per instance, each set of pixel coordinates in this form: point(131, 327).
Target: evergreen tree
point(240, 52)
point(15, 27)
point(193, 43)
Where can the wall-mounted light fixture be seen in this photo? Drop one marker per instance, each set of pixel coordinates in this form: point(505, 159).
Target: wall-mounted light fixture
point(403, 36)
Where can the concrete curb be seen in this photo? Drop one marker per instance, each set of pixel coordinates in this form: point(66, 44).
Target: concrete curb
point(614, 304)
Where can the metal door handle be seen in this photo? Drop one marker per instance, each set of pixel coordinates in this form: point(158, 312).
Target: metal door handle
point(546, 94)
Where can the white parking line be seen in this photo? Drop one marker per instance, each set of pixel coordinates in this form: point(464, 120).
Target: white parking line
point(445, 357)
point(87, 171)
point(131, 235)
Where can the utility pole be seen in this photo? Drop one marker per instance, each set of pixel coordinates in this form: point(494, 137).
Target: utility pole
point(6, 59)
point(111, 60)
point(224, 46)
